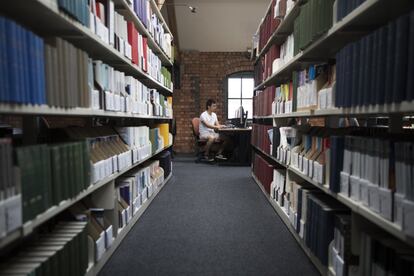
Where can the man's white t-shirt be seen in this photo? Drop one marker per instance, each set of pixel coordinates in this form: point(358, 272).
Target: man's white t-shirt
point(209, 119)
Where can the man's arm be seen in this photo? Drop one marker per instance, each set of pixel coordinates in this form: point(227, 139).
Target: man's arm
point(208, 125)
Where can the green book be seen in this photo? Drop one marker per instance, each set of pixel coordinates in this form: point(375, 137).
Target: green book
point(48, 195)
point(24, 168)
point(56, 160)
point(65, 172)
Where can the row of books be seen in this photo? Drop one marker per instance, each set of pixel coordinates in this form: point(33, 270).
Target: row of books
point(58, 74)
point(374, 172)
point(283, 102)
point(262, 101)
point(344, 7)
point(134, 188)
point(62, 251)
point(312, 214)
point(274, 59)
point(341, 259)
point(314, 19)
point(263, 171)
point(103, 20)
point(378, 68)
point(98, 211)
point(22, 79)
point(60, 172)
point(10, 196)
point(381, 255)
point(314, 87)
point(271, 21)
point(260, 137)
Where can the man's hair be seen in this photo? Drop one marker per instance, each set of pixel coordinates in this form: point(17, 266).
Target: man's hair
point(210, 102)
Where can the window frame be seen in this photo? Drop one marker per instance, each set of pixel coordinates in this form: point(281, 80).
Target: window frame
point(242, 75)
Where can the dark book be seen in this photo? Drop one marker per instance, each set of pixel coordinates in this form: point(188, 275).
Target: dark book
point(400, 58)
point(409, 95)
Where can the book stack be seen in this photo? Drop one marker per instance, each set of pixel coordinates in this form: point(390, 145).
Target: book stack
point(326, 95)
point(288, 138)
point(166, 77)
point(309, 83)
point(381, 255)
point(139, 95)
point(62, 251)
point(367, 173)
point(157, 174)
point(141, 189)
point(60, 172)
point(110, 85)
point(165, 133)
point(341, 257)
point(100, 224)
point(277, 187)
point(128, 201)
point(68, 83)
point(320, 223)
point(137, 138)
point(270, 61)
point(258, 72)
point(263, 171)
point(262, 102)
point(78, 10)
point(314, 19)
point(108, 152)
point(166, 163)
point(156, 139)
point(102, 19)
point(10, 196)
point(22, 76)
point(311, 155)
point(275, 140)
point(283, 102)
point(142, 9)
point(260, 137)
point(271, 21)
point(286, 54)
point(378, 68)
point(121, 37)
point(344, 7)
point(156, 29)
point(154, 65)
point(404, 193)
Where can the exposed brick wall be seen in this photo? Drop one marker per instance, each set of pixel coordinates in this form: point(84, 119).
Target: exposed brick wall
point(202, 77)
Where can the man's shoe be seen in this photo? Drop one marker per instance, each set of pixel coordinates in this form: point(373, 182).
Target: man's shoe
point(207, 159)
point(220, 157)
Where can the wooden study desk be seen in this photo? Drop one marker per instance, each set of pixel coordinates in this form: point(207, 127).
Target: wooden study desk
point(241, 154)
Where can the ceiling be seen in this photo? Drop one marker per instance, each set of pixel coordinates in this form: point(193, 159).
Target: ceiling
point(218, 25)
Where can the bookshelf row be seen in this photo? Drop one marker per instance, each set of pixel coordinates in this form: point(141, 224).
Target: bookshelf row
point(284, 217)
point(355, 206)
point(94, 269)
point(28, 227)
point(123, 7)
point(403, 108)
point(284, 28)
point(47, 19)
point(72, 112)
point(362, 20)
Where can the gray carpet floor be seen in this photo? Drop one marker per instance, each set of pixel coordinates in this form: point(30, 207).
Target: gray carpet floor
point(209, 220)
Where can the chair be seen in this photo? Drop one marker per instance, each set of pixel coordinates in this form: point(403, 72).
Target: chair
point(199, 143)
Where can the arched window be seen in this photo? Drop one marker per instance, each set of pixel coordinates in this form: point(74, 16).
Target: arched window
point(239, 92)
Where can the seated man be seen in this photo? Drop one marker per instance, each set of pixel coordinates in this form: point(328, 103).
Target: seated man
point(209, 123)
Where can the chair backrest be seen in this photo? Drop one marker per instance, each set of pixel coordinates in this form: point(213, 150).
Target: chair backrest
point(196, 126)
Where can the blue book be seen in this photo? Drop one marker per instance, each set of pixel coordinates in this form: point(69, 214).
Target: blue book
point(22, 74)
point(41, 70)
point(12, 61)
point(3, 57)
point(31, 66)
